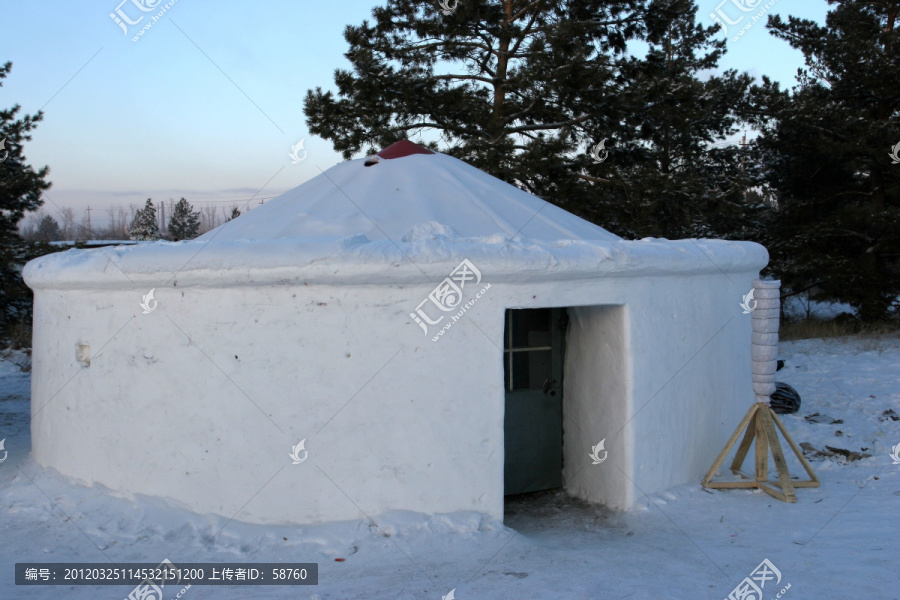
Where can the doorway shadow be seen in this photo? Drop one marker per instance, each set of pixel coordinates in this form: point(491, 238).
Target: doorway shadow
point(536, 514)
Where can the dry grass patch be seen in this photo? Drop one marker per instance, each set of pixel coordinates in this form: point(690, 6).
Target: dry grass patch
point(814, 328)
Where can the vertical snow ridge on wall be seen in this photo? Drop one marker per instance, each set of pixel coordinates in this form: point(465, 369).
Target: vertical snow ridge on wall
point(765, 316)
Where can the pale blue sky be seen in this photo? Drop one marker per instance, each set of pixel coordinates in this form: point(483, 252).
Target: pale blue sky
point(208, 102)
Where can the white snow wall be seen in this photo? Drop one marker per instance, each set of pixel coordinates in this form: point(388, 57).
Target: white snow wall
point(201, 400)
point(596, 403)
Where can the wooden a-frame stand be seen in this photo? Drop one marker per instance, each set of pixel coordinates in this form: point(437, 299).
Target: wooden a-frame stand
point(760, 422)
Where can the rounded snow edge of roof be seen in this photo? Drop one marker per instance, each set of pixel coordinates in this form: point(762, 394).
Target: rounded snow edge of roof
point(287, 262)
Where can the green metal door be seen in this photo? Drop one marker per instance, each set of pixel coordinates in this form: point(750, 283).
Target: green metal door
point(533, 432)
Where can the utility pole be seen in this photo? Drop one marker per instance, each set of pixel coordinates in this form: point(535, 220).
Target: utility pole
point(743, 158)
point(90, 231)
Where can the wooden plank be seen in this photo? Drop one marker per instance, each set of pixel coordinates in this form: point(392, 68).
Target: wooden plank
point(784, 475)
point(744, 475)
point(813, 479)
point(732, 484)
point(734, 436)
point(764, 486)
point(762, 448)
point(751, 483)
point(742, 450)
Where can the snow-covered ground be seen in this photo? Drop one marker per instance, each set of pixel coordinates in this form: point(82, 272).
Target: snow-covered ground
point(838, 541)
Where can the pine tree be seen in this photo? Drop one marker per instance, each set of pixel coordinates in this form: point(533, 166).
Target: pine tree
point(523, 90)
point(48, 230)
point(235, 213)
point(514, 88)
point(826, 147)
point(20, 191)
point(184, 224)
point(663, 160)
point(144, 226)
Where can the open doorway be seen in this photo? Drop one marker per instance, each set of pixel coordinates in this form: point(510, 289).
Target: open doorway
point(534, 346)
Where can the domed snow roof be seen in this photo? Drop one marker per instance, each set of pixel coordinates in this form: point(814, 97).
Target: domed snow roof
point(399, 217)
point(404, 194)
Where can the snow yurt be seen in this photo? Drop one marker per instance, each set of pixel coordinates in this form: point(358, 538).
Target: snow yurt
point(403, 332)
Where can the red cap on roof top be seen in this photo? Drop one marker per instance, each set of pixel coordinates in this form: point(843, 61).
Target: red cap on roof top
point(403, 148)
